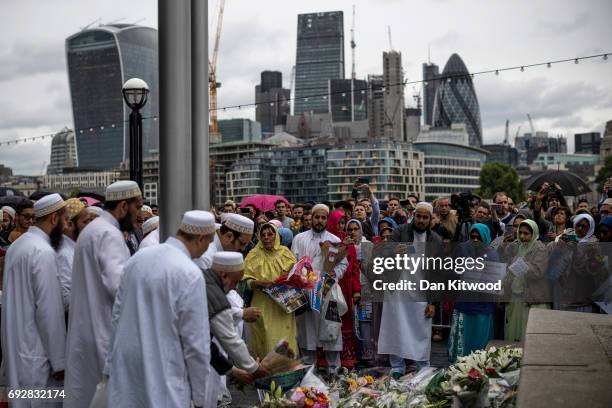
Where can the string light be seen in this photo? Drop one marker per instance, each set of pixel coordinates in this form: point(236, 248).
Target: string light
point(324, 96)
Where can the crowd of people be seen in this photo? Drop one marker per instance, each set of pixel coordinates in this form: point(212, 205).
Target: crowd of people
point(90, 295)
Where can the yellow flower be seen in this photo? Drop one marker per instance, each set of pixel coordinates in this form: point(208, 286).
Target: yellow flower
point(369, 379)
point(308, 402)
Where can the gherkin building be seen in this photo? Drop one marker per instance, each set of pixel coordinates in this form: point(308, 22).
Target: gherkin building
point(456, 100)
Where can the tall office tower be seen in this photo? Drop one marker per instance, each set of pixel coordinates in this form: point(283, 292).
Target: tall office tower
point(412, 127)
point(319, 58)
point(272, 101)
point(456, 100)
point(63, 152)
point(589, 143)
point(376, 105)
point(100, 60)
point(430, 85)
point(393, 80)
point(347, 99)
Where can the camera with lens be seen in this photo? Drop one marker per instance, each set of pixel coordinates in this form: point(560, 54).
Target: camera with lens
point(462, 202)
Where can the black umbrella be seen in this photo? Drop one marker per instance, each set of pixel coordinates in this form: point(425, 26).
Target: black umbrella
point(37, 195)
point(571, 184)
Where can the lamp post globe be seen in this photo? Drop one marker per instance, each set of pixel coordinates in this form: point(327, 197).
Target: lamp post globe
point(135, 92)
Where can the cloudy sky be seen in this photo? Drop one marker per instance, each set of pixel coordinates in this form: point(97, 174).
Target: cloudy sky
point(259, 35)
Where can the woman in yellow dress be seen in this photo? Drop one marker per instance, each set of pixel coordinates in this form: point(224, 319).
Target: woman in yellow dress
point(263, 265)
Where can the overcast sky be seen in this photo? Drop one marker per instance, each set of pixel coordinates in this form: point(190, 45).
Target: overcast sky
point(260, 35)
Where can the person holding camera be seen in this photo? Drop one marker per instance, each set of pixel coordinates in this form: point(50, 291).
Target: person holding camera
point(369, 220)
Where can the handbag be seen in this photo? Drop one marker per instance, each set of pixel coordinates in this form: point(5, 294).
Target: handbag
point(334, 306)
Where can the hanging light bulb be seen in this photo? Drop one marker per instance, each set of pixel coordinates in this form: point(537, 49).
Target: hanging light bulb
point(548, 65)
point(496, 72)
point(576, 61)
point(522, 69)
point(605, 57)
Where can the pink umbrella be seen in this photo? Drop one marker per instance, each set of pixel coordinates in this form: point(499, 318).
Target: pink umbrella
point(263, 202)
point(89, 201)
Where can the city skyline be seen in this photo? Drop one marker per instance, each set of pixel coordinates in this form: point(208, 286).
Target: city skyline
point(34, 93)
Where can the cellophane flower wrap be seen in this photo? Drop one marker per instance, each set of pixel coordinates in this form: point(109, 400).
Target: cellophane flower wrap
point(302, 275)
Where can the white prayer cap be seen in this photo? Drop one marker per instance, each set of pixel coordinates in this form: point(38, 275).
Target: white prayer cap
point(424, 205)
point(239, 223)
point(217, 225)
point(146, 209)
point(320, 207)
point(9, 210)
point(198, 222)
point(48, 204)
point(122, 190)
point(150, 225)
point(224, 261)
point(95, 210)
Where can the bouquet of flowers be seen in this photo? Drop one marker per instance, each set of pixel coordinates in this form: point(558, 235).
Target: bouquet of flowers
point(302, 275)
point(281, 359)
point(310, 398)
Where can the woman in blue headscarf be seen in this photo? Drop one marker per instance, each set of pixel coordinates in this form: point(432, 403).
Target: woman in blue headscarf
point(472, 322)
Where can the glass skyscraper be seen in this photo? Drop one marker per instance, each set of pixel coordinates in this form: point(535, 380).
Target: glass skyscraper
point(456, 100)
point(319, 58)
point(100, 60)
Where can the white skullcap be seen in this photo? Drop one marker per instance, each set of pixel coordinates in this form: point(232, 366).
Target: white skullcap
point(150, 225)
point(424, 205)
point(147, 209)
point(217, 225)
point(320, 207)
point(48, 204)
point(122, 190)
point(9, 210)
point(224, 261)
point(198, 222)
point(276, 223)
point(95, 210)
point(239, 223)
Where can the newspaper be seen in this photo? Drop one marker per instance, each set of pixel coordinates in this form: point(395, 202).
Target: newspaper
point(290, 299)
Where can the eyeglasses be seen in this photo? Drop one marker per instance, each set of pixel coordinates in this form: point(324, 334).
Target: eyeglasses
point(353, 229)
point(27, 216)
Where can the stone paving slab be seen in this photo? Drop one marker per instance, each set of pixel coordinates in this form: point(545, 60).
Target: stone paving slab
point(567, 360)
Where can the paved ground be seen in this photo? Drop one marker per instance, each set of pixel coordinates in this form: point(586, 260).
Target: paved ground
point(248, 397)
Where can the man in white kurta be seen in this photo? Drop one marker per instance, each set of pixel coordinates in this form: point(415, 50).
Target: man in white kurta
point(33, 329)
point(160, 354)
point(233, 235)
point(99, 257)
point(77, 217)
point(308, 244)
point(405, 327)
point(150, 229)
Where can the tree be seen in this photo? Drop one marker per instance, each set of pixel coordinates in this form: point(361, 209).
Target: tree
point(604, 174)
point(496, 177)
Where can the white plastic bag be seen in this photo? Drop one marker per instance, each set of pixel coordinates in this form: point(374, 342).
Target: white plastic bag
point(334, 306)
point(100, 399)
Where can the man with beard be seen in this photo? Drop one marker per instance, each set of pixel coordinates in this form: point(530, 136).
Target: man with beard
point(234, 235)
point(76, 219)
point(405, 327)
point(99, 257)
point(33, 326)
point(309, 244)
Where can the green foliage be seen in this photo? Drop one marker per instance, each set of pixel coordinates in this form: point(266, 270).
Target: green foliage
point(604, 174)
point(496, 177)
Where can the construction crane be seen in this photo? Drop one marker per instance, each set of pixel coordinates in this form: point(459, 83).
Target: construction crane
point(214, 136)
point(518, 130)
point(390, 42)
point(353, 45)
point(533, 132)
point(507, 133)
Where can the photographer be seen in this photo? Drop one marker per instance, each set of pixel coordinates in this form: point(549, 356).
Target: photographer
point(548, 197)
point(369, 203)
point(466, 205)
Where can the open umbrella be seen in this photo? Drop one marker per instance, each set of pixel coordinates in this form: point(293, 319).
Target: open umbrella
point(571, 184)
point(11, 201)
point(9, 192)
point(263, 202)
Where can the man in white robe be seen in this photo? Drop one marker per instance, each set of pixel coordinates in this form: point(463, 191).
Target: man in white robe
point(234, 235)
point(308, 244)
point(160, 353)
point(226, 272)
point(76, 219)
point(33, 332)
point(405, 328)
point(99, 257)
point(150, 229)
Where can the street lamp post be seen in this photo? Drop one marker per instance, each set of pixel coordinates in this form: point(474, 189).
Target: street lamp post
point(135, 92)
